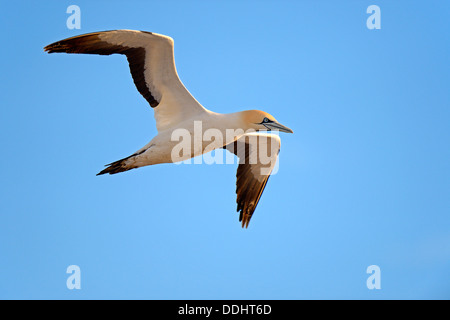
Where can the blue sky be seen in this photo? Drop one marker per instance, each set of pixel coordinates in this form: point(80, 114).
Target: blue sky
point(363, 181)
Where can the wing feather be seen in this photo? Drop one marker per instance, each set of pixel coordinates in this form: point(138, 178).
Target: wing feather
point(152, 66)
point(257, 154)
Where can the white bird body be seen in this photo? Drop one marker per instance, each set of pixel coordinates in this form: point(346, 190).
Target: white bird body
point(179, 116)
point(159, 149)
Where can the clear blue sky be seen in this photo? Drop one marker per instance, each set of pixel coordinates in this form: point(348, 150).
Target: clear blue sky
point(363, 181)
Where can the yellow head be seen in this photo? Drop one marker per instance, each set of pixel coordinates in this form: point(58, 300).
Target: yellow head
point(262, 121)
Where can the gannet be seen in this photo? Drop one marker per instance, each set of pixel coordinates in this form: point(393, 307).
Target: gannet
point(151, 60)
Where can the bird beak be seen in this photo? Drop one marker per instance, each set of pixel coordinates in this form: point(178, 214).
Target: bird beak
point(277, 126)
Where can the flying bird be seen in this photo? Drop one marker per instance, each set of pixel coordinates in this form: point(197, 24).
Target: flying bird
point(152, 66)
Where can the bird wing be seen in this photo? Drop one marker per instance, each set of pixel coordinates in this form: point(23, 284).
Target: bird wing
point(258, 155)
point(152, 67)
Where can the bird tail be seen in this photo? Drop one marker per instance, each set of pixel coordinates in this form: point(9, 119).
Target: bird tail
point(117, 166)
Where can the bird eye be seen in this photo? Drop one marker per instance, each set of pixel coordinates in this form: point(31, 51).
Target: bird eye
point(266, 120)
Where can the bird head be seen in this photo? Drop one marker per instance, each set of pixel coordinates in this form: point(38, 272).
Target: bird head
point(262, 121)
